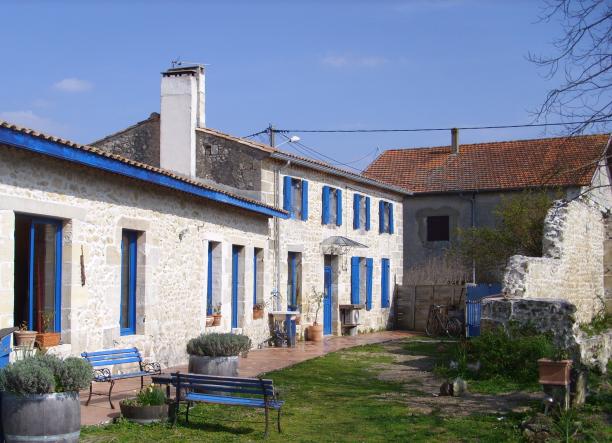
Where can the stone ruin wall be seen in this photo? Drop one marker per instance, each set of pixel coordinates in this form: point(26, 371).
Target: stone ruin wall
point(565, 287)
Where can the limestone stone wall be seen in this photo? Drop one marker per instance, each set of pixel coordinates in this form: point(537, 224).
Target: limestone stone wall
point(550, 316)
point(172, 261)
point(571, 267)
point(306, 237)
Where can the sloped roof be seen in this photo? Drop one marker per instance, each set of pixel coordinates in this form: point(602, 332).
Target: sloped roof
point(29, 139)
point(561, 161)
point(306, 161)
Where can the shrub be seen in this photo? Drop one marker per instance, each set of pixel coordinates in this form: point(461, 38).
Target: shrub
point(512, 354)
point(150, 396)
point(218, 345)
point(44, 374)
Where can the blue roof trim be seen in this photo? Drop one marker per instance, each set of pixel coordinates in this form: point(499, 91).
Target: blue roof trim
point(55, 149)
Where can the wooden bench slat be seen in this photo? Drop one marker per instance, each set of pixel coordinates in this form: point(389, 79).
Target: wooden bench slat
point(234, 401)
point(115, 362)
point(215, 378)
point(229, 389)
point(110, 352)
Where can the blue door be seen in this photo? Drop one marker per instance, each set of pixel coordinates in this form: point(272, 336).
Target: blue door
point(327, 301)
point(235, 255)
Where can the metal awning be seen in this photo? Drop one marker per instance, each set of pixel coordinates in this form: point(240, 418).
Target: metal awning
point(338, 240)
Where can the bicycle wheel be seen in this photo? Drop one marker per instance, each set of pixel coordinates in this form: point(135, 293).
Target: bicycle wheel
point(454, 327)
point(433, 327)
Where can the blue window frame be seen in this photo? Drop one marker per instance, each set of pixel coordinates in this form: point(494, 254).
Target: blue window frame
point(384, 283)
point(257, 275)
point(361, 212)
point(39, 253)
point(129, 252)
point(331, 200)
point(294, 271)
point(295, 197)
point(362, 270)
point(209, 281)
point(385, 217)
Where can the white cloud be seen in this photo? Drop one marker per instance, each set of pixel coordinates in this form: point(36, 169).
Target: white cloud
point(73, 84)
point(343, 61)
point(31, 120)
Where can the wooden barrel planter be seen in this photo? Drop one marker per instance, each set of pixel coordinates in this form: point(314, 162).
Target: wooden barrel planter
point(144, 414)
point(38, 418)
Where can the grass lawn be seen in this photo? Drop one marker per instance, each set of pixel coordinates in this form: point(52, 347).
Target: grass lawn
point(332, 398)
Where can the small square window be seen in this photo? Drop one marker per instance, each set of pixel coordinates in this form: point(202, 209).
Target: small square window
point(438, 228)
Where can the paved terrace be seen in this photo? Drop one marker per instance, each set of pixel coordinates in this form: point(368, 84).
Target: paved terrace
point(257, 362)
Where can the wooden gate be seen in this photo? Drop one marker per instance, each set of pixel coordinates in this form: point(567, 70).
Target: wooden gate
point(412, 303)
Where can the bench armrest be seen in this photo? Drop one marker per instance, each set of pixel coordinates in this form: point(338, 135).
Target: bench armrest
point(103, 374)
point(152, 368)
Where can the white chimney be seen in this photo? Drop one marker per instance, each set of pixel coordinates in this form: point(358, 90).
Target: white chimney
point(182, 111)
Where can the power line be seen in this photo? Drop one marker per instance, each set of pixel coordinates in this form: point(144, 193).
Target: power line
point(464, 128)
point(320, 155)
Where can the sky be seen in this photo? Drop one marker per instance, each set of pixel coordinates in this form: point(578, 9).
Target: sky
point(82, 70)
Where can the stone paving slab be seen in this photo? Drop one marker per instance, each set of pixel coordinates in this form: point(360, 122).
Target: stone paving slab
point(257, 362)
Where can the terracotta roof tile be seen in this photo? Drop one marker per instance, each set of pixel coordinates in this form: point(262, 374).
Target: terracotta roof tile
point(563, 161)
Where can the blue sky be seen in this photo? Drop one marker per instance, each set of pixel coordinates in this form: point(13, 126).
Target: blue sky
point(82, 71)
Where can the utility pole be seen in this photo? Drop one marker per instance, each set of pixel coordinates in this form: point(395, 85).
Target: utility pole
point(271, 135)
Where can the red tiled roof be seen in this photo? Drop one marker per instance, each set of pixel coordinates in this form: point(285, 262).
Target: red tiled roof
point(563, 161)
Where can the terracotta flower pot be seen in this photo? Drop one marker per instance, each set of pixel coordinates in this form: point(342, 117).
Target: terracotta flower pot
point(25, 338)
point(209, 321)
point(315, 333)
point(48, 339)
point(257, 313)
point(554, 372)
point(216, 320)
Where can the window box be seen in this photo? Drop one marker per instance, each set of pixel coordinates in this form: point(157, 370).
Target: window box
point(48, 339)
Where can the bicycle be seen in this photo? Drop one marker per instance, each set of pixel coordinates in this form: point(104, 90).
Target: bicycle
point(438, 322)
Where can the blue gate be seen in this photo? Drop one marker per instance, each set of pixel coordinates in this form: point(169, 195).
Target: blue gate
point(473, 301)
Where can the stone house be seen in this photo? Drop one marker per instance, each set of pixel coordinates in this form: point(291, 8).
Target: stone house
point(135, 239)
point(109, 251)
point(324, 203)
point(459, 186)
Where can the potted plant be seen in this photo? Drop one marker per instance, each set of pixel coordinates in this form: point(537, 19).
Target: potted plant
point(217, 315)
point(555, 370)
point(315, 331)
point(47, 339)
point(149, 406)
point(209, 321)
point(24, 336)
point(217, 353)
point(258, 311)
point(40, 398)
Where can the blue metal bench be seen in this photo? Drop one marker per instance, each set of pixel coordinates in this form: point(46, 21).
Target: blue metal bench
point(251, 392)
point(114, 357)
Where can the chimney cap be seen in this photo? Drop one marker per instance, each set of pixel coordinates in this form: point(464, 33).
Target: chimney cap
point(191, 70)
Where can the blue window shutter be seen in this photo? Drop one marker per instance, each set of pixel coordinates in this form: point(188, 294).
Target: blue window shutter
point(367, 213)
point(369, 273)
point(381, 216)
point(304, 200)
point(384, 286)
point(339, 207)
point(391, 218)
point(356, 204)
point(355, 280)
point(209, 286)
point(325, 199)
point(287, 195)
point(254, 276)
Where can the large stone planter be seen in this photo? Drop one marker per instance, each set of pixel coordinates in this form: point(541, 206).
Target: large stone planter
point(144, 414)
point(41, 418)
point(223, 366)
